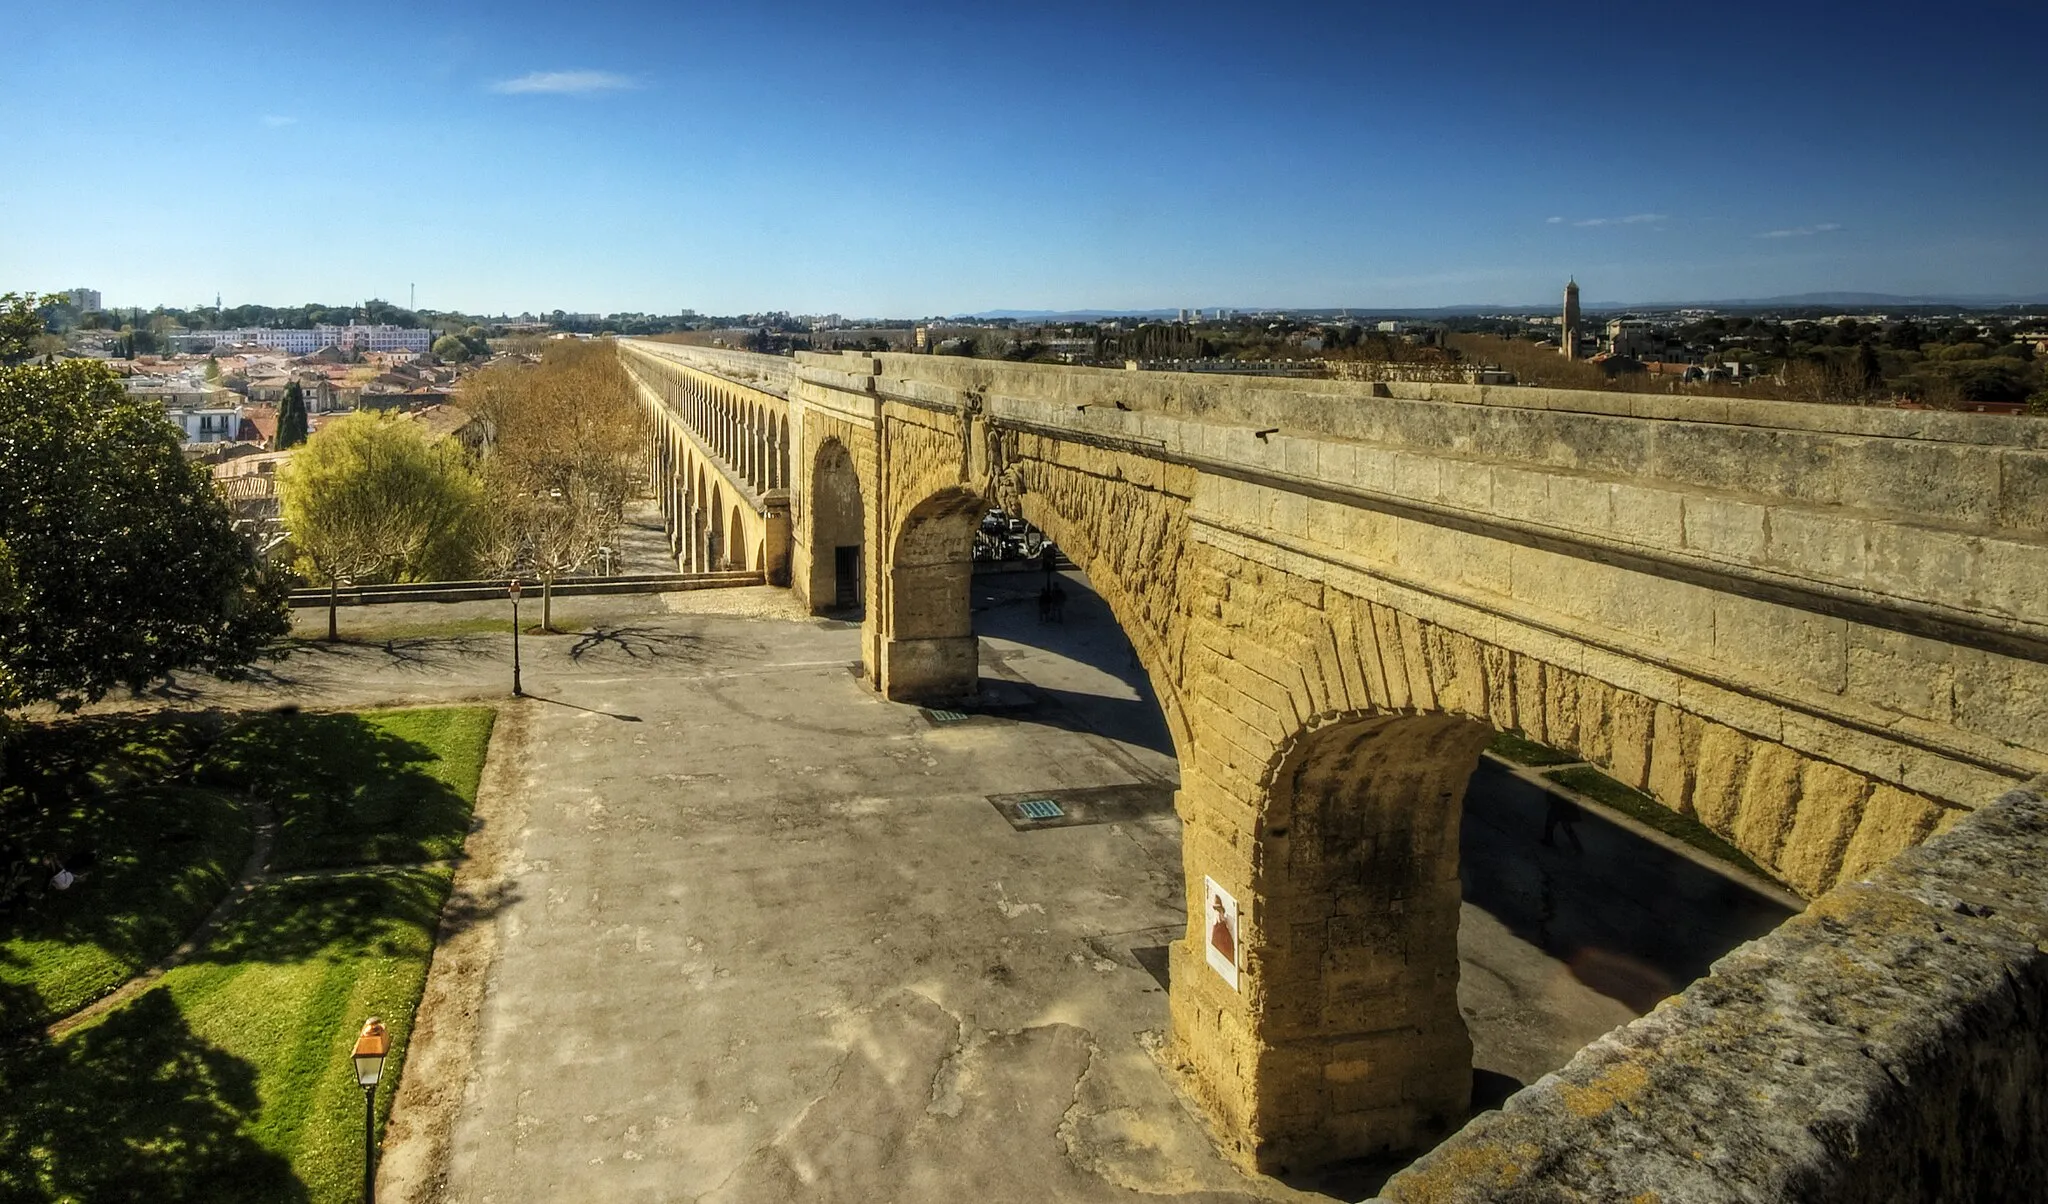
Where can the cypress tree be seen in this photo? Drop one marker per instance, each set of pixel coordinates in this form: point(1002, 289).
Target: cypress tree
point(291, 417)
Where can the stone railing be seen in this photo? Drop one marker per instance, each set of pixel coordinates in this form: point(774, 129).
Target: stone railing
point(1887, 1044)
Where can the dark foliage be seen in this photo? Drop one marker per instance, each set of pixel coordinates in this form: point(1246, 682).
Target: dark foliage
point(126, 564)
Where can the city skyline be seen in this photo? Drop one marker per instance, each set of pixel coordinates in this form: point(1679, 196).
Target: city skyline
point(924, 161)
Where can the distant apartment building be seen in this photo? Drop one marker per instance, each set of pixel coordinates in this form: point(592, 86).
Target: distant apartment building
point(84, 300)
point(205, 413)
point(305, 342)
point(1635, 338)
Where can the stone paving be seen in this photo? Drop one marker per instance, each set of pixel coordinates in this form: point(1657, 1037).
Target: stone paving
point(763, 936)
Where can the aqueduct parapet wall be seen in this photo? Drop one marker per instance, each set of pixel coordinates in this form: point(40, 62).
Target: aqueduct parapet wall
point(1818, 630)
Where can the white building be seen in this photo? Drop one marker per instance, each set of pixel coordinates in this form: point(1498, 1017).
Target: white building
point(84, 300)
point(205, 413)
point(351, 337)
point(210, 425)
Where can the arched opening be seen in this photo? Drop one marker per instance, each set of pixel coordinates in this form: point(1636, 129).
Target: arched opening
point(694, 553)
point(929, 653)
point(714, 539)
point(1356, 932)
point(838, 525)
point(735, 541)
point(757, 474)
point(782, 452)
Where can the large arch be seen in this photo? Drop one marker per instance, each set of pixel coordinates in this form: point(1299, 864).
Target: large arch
point(928, 648)
point(836, 515)
point(735, 540)
point(1352, 944)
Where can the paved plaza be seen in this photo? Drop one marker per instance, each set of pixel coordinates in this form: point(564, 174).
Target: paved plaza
point(759, 935)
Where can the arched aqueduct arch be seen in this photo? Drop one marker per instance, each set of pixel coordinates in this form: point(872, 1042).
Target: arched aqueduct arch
point(833, 518)
point(1788, 622)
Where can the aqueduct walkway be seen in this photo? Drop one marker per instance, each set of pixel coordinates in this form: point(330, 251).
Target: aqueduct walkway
point(1818, 630)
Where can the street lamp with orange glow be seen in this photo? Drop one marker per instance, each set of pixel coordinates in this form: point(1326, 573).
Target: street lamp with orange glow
point(371, 1046)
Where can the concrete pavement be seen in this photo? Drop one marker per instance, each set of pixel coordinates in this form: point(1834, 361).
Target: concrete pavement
point(764, 936)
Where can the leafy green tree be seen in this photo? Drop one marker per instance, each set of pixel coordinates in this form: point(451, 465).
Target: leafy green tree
point(451, 348)
point(125, 562)
point(291, 417)
point(372, 497)
point(21, 326)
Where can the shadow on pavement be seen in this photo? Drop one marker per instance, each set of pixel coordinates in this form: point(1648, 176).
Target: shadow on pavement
point(622, 718)
point(1631, 919)
point(638, 642)
point(1088, 636)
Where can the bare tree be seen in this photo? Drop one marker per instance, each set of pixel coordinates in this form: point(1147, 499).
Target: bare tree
point(564, 454)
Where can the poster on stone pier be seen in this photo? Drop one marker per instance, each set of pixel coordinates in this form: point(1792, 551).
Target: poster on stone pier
point(1220, 907)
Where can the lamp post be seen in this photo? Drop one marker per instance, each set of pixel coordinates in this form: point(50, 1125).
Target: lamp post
point(513, 589)
point(371, 1046)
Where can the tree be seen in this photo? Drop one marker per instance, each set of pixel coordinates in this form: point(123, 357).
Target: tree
point(372, 497)
point(291, 417)
point(21, 325)
point(549, 535)
point(1867, 375)
point(451, 348)
point(564, 453)
point(125, 562)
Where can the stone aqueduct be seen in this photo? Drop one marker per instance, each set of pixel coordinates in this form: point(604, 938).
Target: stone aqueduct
point(1818, 630)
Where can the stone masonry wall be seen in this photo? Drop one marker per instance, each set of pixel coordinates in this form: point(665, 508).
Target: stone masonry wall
point(1746, 620)
point(1886, 1045)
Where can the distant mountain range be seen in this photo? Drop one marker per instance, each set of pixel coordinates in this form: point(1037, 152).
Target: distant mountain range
point(1790, 301)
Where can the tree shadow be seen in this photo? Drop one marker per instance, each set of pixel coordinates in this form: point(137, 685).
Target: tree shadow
point(138, 1108)
point(346, 916)
point(638, 643)
point(103, 796)
point(430, 652)
point(346, 792)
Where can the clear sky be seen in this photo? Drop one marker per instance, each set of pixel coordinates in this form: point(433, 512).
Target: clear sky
point(914, 159)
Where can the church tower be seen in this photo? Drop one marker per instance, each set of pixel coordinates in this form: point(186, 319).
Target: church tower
point(1571, 319)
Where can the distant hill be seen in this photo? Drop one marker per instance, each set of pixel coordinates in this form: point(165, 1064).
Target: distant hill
point(1065, 315)
point(1845, 300)
point(1842, 300)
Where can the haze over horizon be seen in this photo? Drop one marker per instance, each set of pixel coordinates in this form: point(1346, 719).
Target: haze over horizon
point(920, 160)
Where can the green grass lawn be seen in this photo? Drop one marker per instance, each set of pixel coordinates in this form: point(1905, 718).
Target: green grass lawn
point(359, 789)
point(229, 1079)
point(165, 852)
point(1524, 751)
point(1613, 795)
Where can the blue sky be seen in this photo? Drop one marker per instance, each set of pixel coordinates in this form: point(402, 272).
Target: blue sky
point(915, 159)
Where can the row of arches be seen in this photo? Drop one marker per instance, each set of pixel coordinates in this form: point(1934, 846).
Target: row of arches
point(1325, 740)
point(751, 436)
point(708, 529)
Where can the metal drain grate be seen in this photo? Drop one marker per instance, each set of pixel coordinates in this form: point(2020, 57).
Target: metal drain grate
point(1042, 811)
point(1039, 808)
point(939, 716)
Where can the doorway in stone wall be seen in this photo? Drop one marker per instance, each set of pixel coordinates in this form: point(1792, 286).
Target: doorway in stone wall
point(846, 577)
